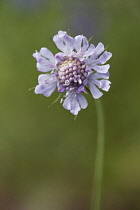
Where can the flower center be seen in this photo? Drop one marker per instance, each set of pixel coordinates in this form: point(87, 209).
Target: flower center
point(71, 72)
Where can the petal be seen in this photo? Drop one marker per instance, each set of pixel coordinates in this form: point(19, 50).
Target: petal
point(67, 103)
point(40, 89)
point(82, 101)
point(85, 44)
point(104, 85)
point(96, 93)
point(71, 103)
point(103, 58)
point(81, 89)
point(46, 63)
point(46, 77)
point(47, 84)
point(45, 67)
point(60, 56)
point(75, 107)
point(47, 54)
point(101, 76)
point(64, 42)
point(69, 43)
point(98, 50)
point(101, 69)
point(50, 89)
point(36, 55)
point(61, 89)
point(89, 51)
point(75, 102)
point(42, 78)
point(81, 43)
point(78, 41)
point(39, 58)
point(59, 43)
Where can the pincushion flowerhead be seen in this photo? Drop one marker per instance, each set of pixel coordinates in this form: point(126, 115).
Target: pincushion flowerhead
point(79, 67)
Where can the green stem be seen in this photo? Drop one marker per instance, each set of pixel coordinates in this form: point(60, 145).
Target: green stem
point(97, 182)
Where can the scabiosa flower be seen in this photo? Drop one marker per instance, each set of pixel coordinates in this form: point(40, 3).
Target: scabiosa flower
point(77, 68)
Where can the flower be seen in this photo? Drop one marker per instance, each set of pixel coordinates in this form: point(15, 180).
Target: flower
point(79, 68)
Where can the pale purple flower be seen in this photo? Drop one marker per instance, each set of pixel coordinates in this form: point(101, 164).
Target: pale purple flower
point(77, 68)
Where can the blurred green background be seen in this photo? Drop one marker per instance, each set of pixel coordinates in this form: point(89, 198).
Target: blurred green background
point(47, 158)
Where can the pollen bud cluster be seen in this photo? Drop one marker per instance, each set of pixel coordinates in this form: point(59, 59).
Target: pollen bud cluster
point(71, 72)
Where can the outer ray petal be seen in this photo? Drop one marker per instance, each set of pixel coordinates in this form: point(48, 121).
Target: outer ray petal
point(47, 54)
point(75, 102)
point(101, 69)
point(47, 84)
point(96, 93)
point(101, 76)
point(45, 60)
point(64, 42)
point(82, 101)
point(94, 84)
point(78, 41)
point(103, 58)
point(103, 84)
point(98, 50)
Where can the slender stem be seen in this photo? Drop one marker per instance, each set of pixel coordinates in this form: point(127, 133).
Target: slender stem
point(97, 182)
point(59, 96)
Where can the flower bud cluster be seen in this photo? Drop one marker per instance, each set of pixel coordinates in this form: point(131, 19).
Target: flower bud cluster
point(71, 72)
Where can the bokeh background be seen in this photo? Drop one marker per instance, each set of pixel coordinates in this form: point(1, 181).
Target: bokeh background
point(47, 158)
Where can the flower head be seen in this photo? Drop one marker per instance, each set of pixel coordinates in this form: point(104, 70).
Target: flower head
point(72, 71)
